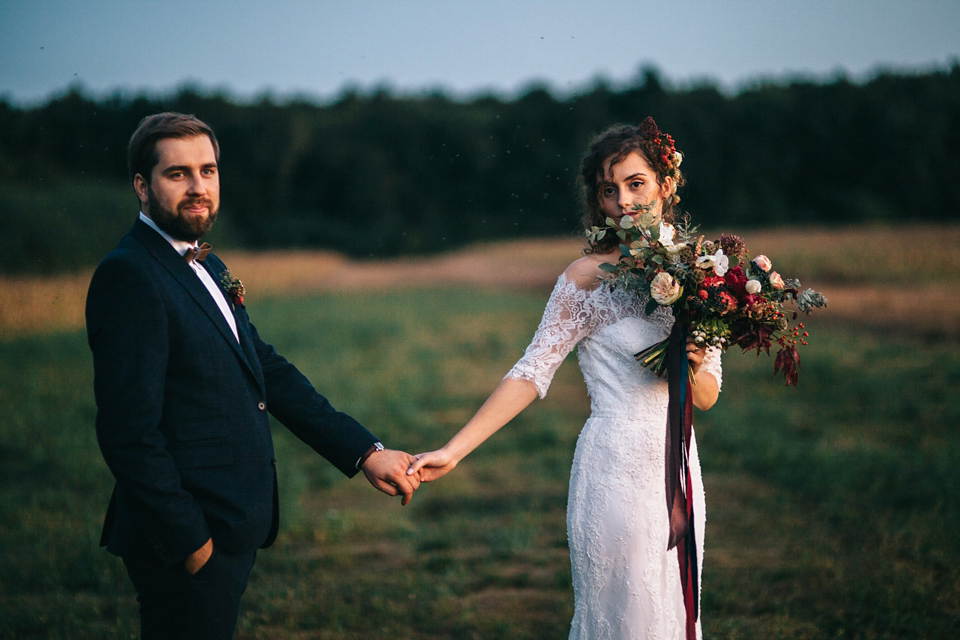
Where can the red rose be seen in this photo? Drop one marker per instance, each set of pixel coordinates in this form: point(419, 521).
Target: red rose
point(729, 301)
point(737, 281)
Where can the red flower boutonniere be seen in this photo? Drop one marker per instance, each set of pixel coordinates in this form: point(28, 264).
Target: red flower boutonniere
point(233, 287)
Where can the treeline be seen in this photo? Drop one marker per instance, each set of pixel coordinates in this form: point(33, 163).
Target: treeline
point(374, 173)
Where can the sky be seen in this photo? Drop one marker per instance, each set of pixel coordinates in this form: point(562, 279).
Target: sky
point(316, 48)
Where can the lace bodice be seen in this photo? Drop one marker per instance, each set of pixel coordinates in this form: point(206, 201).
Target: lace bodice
point(609, 327)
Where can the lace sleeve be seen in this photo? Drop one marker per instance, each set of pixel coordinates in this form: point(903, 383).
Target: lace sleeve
point(711, 364)
point(566, 321)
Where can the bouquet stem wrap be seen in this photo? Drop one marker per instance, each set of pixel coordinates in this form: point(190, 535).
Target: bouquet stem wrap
point(678, 478)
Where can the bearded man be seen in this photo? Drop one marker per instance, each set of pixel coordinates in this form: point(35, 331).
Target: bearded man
point(183, 384)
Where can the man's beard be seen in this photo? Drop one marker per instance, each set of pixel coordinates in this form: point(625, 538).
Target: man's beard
point(178, 226)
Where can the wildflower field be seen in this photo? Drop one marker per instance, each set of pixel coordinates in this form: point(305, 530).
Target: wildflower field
point(832, 507)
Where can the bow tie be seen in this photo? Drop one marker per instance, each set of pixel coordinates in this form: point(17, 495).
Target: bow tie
point(194, 253)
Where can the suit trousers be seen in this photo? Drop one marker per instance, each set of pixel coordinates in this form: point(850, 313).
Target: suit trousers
point(203, 606)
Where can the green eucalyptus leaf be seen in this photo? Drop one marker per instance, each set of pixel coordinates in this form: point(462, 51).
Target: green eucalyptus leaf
point(651, 306)
point(609, 268)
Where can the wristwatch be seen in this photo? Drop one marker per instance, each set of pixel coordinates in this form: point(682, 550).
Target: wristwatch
point(376, 446)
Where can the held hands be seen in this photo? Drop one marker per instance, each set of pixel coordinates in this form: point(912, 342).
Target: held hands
point(387, 470)
point(432, 465)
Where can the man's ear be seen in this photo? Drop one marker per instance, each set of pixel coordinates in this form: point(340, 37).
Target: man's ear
point(141, 187)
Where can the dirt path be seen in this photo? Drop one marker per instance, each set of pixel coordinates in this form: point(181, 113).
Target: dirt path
point(29, 305)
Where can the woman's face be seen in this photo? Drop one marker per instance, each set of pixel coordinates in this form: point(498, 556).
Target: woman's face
point(629, 183)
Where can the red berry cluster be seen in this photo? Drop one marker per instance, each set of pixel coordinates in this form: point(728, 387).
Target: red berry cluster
point(650, 131)
point(795, 335)
point(666, 151)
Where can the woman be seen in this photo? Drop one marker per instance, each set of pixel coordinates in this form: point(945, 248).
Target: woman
point(626, 582)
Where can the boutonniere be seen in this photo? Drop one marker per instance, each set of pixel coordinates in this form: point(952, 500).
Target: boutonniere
point(233, 287)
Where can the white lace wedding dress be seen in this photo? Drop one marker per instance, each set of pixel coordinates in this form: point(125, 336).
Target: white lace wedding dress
point(626, 584)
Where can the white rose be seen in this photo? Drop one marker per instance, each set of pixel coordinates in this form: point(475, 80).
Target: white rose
point(753, 287)
point(665, 289)
point(667, 234)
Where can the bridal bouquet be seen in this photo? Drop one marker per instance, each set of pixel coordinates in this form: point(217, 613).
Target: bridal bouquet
point(718, 294)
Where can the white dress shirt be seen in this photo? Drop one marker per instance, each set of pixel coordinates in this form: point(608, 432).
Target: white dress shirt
point(181, 246)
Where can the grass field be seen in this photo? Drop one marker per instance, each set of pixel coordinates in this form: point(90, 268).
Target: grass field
point(832, 508)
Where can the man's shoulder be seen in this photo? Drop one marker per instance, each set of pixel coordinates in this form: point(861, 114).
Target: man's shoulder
point(130, 260)
point(128, 253)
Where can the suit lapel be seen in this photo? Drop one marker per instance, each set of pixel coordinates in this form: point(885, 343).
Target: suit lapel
point(180, 271)
point(246, 342)
point(215, 268)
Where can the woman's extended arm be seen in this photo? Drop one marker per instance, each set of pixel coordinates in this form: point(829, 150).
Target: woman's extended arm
point(566, 320)
point(511, 396)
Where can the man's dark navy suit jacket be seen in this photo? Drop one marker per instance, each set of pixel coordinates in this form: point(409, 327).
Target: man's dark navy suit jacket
point(182, 408)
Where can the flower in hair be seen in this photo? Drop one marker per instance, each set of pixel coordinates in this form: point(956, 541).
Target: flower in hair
point(649, 128)
point(669, 158)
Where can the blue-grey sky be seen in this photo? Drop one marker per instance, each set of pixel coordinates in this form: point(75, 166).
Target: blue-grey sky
point(316, 47)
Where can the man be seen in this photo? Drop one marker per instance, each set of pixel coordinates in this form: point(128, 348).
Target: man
point(183, 384)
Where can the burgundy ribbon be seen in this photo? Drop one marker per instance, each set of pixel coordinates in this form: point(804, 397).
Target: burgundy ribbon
point(678, 479)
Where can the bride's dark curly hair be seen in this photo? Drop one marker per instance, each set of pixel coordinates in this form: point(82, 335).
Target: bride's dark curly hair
point(613, 146)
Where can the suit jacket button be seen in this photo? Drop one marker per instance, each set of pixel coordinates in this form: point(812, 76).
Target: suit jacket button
point(261, 405)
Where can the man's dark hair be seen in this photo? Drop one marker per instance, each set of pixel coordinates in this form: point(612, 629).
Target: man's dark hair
point(142, 150)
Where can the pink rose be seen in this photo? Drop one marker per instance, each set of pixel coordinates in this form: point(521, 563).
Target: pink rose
point(775, 280)
point(763, 262)
point(665, 289)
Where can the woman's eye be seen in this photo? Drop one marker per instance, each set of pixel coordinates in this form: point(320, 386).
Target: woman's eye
point(636, 184)
point(608, 192)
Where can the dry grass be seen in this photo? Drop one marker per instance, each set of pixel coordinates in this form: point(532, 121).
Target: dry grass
point(31, 305)
point(866, 273)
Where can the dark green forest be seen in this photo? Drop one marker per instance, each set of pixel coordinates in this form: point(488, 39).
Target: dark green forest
point(373, 173)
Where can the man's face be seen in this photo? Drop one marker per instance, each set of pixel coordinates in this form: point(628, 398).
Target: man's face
point(183, 193)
